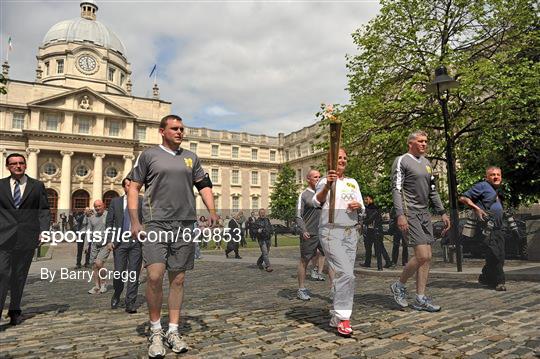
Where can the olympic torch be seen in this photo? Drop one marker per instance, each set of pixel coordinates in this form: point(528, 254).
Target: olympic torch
point(335, 144)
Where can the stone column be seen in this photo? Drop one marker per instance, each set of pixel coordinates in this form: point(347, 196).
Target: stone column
point(128, 164)
point(97, 187)
point(3, 171)
point(64, 204)
point(32, 166)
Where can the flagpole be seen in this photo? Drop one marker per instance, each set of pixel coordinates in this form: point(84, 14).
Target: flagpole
point(155, 76)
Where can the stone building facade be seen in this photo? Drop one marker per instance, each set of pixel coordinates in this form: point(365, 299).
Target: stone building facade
point(82, 129)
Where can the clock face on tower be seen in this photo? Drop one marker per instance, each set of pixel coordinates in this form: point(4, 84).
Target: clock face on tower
point(87, 64)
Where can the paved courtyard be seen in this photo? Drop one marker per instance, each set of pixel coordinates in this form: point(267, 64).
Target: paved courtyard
point(232, 309)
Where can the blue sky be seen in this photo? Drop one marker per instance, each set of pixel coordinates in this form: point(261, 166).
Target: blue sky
point(256, 66)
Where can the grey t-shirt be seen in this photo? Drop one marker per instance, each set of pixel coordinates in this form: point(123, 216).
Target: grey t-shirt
point(168, 179)
point(95, 224)
point(307, 215)
point(413, 185)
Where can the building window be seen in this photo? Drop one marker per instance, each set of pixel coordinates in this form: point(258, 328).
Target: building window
point(214, 175)
point(273, 156)
point(216, 201)
point(50, 169)
point(235, 152)
point(193, 147)
point(215, 150)
point(111, 172)
point(84, 125)
point(254, 203)
point(235, 201)
point(298, 152)
point(59, 66)
point(254, 153)
point(17, 121)
point(47, 68)
point(299, 175)
point(254, 177)
point(273, 177)
point(81, 170)
point(122, 79)
point(286, 156)
point(311, 147)
point(114, 128)
point(111, 74)
point(235, 177)
point(51, 121)
point(141, 133)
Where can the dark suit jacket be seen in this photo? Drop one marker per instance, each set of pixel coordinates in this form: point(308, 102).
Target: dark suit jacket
point(115, 214)
point(20, 228)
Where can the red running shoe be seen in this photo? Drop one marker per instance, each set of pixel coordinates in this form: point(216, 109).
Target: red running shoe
point(344, 328)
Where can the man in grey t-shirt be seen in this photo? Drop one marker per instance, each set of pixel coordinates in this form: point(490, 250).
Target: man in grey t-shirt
point(307, 219)
point(168, 173)
point(413, 187)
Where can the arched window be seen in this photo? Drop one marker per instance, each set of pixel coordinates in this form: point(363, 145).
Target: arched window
point(52, 197)
point(80, 200)
point(108, 197)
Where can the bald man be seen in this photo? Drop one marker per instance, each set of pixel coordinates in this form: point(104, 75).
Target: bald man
point(99, 252)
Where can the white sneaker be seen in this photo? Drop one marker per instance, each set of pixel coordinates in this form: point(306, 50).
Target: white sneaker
point(94, 290)
point(176, 342)
point(103, 288)
point(314, 274)
point(303, 294)
point(156, 349)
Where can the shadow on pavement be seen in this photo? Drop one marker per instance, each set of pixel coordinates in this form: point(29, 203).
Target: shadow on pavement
point(376, 300)
point(319, 317)
point(185, 325)
point(455, 284)
point(31, 312)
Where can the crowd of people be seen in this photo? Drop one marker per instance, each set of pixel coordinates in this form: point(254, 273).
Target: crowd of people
point(329, 214)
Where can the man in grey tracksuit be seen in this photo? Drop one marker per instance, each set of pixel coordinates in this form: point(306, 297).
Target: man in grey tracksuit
point(413, 187)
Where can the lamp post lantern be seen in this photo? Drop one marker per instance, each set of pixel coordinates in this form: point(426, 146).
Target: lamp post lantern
point(440, 85)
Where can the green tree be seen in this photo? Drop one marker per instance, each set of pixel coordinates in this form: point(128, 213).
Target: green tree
point(491, 47)
point(283, 198)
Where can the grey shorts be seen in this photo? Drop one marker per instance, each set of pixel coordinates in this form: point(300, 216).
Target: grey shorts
point(178, 254)
point(420, 229)
point(98, 252)
point(308, 247)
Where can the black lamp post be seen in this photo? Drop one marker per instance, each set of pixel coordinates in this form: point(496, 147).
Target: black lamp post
point(440, 85)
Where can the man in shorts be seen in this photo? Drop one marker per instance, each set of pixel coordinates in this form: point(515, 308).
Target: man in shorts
point(413, 187)
point(168, 173)
point(307, 219)
point(99, 252)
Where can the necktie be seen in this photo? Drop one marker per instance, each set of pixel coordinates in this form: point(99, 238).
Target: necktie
point(17, 194)
point(126, 222)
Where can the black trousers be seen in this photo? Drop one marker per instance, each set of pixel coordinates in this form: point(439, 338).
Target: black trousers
point(14, 266)
point(397, 241)
point(374, 238)
point(493, 272)
point(232, 246)
point(127, 256)
point(80, 248)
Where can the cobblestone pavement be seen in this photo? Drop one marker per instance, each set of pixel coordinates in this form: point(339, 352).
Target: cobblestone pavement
point(232, 309)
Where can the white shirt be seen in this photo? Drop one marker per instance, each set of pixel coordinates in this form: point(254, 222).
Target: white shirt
point(22, 185)
point(347, 190)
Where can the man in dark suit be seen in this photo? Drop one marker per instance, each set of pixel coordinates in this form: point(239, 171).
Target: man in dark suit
point(236, 236)
point(127, 255)
point(24, 214)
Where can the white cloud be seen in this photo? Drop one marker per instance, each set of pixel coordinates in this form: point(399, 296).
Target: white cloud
point(268, 65)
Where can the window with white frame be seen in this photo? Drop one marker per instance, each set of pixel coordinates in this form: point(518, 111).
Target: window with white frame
point(254, 203)
point(235, 152)
point(193, 146)
point(215, 150)
point(254, 154)
point(141, 133)
point(273, 177)
point(111, 74)
point(17, 121)
point(59, 66)
point(216, 201)
point(114, 128)
point(272, 156)
point(235, 176)
point(254, 177)
point(84, 124)
point(51, 121)
point(50, 169)
point(47, 66)
point(122, 79)
point(214, 175)
point(235, 203)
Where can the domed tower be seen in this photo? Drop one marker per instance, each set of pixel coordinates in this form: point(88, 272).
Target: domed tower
point(84, 52)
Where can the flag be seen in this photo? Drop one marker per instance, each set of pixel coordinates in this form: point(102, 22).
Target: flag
point(153, 70)
point(10, 44)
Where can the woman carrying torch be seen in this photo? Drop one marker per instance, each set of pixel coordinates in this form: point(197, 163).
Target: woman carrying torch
point(341, 201)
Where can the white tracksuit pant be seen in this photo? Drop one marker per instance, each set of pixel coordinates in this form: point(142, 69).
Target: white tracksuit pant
point(339, 245)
